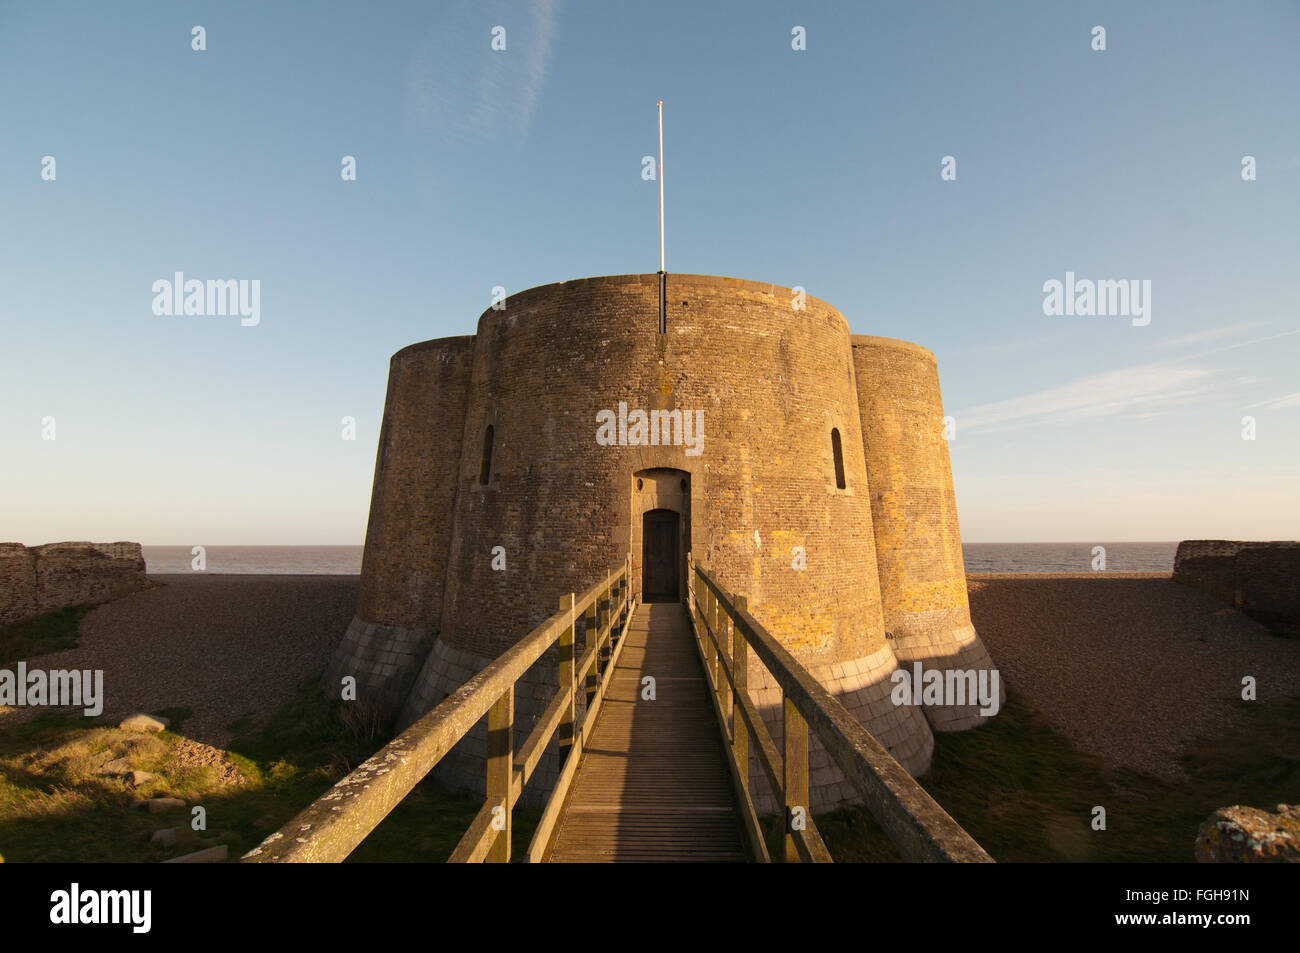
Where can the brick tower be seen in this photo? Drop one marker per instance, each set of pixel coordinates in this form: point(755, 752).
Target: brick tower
point(495, 494)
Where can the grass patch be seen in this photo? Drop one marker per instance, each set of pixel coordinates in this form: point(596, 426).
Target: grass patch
point(1026, 794)
point(57, 805)
point(52, 632)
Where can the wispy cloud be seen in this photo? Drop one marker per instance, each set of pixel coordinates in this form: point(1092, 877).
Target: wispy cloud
point(1233, 347)
point(1201, 337)
point(1141, 389)
point(1277, 403)
point(458, 86)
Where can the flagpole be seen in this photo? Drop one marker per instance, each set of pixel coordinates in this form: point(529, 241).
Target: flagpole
point(661, 185)
point(663, 291)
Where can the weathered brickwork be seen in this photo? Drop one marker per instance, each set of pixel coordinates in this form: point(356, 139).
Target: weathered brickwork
point(1261, 579)
point(759, 505)
point(404, 568)
point(384, 660)
point(914, 508)
point(17, 583)
point(559, 503)
point(41, 579)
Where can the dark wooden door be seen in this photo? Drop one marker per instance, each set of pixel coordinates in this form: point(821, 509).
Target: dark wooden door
point(659, 556)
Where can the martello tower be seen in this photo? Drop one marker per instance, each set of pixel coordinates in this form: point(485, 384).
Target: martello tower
point(815, 480)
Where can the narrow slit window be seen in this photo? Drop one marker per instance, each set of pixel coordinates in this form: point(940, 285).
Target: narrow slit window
point(838, 450)
point(485, 470)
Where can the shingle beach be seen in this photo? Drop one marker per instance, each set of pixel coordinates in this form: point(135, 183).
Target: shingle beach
point(1130, 666)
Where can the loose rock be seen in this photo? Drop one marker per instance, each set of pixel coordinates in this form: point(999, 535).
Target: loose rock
point(166, 837)
point(143, 722)
point(1240, 834)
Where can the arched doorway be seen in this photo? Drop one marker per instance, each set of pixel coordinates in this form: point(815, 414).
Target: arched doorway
point(660, 533)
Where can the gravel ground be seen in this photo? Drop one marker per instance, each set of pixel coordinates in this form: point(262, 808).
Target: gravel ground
point(222, 645)
point(1130, 666)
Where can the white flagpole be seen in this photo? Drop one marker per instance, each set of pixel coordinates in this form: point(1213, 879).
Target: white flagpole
point(661, 185)
point(663, 277)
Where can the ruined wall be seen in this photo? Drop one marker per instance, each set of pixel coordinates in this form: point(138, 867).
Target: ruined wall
point(41, 579)
point(914, 509)
point(1261, 579)
point(771, 381)
point(404, 569)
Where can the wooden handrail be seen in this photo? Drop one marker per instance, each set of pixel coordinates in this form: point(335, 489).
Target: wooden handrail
point(918, 826)
point(332, 826)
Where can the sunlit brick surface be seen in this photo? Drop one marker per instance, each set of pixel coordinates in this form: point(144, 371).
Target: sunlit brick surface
point(914, 509)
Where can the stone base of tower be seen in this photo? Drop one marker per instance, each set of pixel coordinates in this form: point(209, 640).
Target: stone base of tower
point(862, 686)
point(464, 768)
point(946, 640)
point(384, 659)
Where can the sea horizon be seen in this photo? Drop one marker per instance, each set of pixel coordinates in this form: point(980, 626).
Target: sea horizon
point(345, 560)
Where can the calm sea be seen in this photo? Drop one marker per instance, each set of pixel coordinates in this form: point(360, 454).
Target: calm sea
point(980, 557)
point(301, 560)
point(1068, 557)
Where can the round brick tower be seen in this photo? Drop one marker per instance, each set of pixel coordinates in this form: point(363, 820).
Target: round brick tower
point(404, 567)
point(914, 511)
point(500, 486)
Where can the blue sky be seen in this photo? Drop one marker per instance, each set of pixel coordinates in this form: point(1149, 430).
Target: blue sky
point(477, 168)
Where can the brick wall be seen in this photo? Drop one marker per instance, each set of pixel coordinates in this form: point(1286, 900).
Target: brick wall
point(771, 382)
point(404, 568)
point(914, 508)
point(41, 579)
point(1261, 579)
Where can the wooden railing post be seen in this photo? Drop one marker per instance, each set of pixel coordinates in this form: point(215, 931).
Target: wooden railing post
point(740, 671)
point(605, 600)
point(713, 611)
point(795, 762)
point(500, 767)
point(567, 679)
point(720, 666)
point(589, 629)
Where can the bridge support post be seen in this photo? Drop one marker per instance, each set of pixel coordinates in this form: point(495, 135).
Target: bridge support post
point(605, 600)
point(714, 611)
point(567, 679)
point(589, 631)
point(500, 768)
point(721, 664)
point(740, 672)
point(795, 763)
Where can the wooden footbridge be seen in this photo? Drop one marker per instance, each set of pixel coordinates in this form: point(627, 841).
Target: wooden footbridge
point(658, 767)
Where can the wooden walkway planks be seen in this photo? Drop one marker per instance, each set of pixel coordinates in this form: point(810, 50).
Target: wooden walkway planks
point(653, 783)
